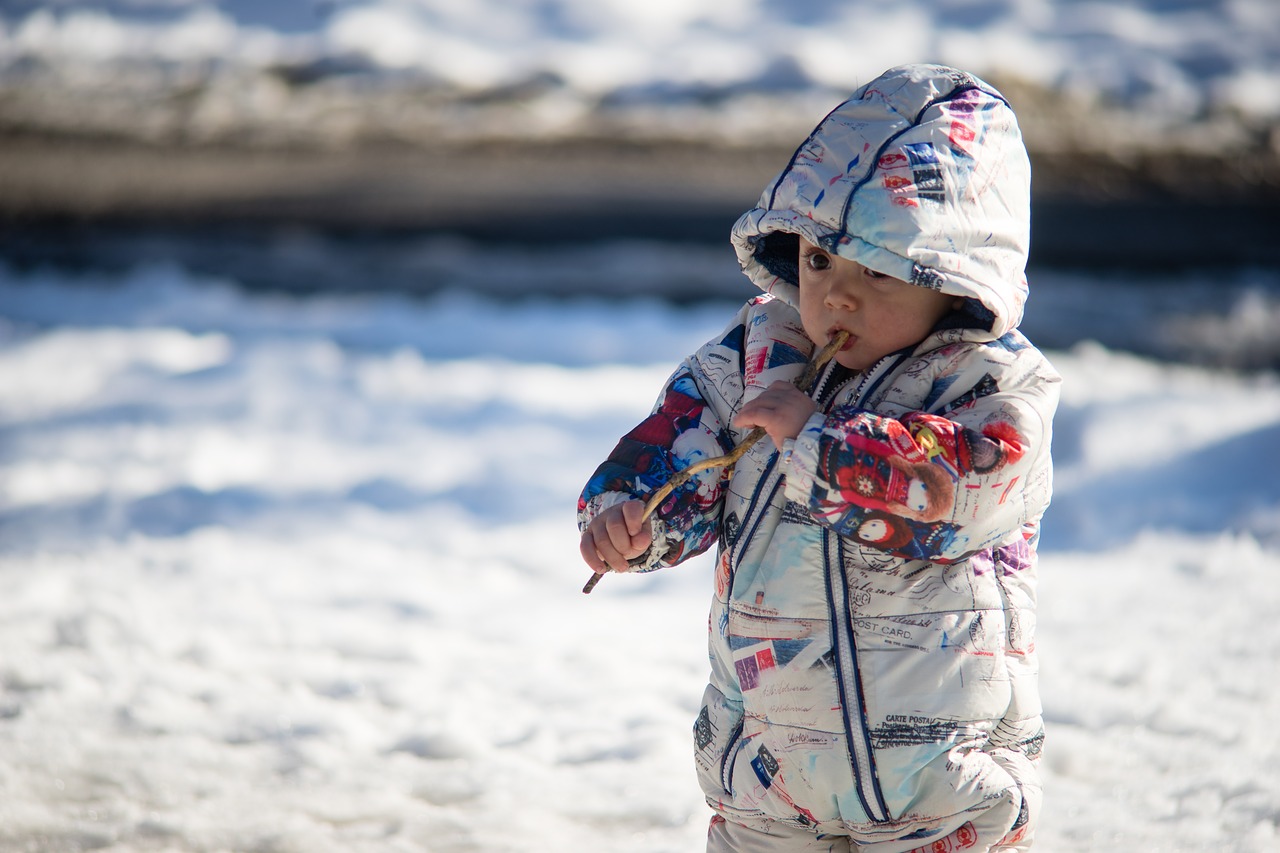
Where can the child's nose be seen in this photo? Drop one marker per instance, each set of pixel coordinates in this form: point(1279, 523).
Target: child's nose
point(841, 298)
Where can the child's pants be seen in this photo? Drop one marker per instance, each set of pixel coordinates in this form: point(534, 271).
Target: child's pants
point(728, 837)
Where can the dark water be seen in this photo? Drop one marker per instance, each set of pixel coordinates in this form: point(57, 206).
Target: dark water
point(1224, 313)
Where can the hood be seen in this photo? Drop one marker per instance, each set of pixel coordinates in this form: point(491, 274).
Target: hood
point(921, 175)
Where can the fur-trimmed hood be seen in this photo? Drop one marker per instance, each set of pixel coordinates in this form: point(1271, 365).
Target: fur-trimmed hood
point(921, 175)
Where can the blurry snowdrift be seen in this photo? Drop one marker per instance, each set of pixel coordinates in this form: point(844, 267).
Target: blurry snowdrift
point(1199, 77)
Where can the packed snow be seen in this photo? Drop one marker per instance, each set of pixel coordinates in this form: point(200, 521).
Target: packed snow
point(301, 574)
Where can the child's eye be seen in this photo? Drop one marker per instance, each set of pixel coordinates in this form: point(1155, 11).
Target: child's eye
point(817, 261)
point(880, 281)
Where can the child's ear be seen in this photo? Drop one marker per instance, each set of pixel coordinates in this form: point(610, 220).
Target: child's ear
point(957, 303)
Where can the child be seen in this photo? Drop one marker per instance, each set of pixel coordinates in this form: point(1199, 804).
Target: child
point(873, 671)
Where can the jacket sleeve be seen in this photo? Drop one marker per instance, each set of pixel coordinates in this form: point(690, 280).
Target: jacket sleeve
point(688, 423)
point(935, 487)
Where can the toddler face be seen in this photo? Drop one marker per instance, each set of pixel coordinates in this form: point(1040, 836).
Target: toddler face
point(882, 314)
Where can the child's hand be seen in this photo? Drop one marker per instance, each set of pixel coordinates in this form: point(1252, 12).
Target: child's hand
point(781, 409)
point(615, 536)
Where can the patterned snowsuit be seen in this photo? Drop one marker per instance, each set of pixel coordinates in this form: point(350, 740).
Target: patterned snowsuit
point(873, 669)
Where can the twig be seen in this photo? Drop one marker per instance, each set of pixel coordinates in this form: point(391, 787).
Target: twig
point(729, 459)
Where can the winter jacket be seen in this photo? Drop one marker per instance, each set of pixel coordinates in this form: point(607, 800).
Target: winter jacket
point(873, 669)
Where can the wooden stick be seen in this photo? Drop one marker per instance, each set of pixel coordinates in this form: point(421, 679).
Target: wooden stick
point(729, 459)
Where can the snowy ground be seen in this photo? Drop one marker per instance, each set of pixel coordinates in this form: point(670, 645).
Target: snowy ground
point(301, 575)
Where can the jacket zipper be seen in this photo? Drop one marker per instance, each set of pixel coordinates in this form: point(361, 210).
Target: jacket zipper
point(848, 677)
point(866, 387)
point(729, 758)
point(769, 477)
point(751, 518)
point(820, 387)
point(853, 705)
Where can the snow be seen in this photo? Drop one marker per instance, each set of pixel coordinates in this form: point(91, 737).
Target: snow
point(301, 574)
point(1187, 56)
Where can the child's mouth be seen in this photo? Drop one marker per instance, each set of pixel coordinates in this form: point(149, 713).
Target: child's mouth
point(850, 340)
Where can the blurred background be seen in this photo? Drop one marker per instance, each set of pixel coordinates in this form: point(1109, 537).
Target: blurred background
point(320, 144)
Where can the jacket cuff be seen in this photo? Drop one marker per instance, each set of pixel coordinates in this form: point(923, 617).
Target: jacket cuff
point(663, 540)
point(597, 504)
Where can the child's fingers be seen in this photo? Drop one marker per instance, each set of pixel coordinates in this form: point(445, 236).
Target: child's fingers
point(764, 406)
point(639, 528)
point(590, 554)
point(633, 515)
point(623, 540)
point(614, 538)
point(601, 554)
point(780, 410)
point(761, 414)
point(750, 415)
